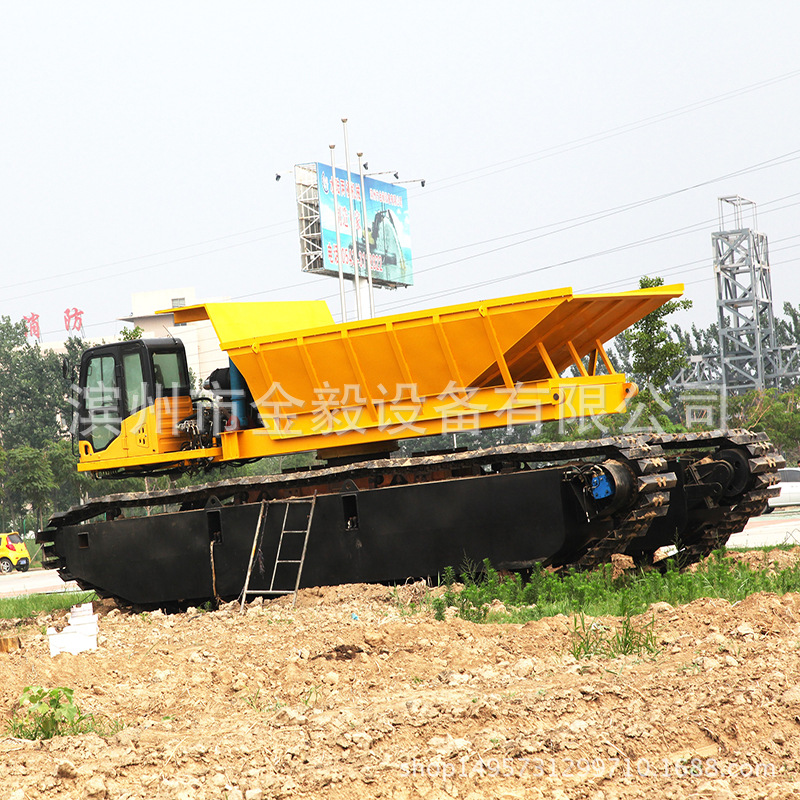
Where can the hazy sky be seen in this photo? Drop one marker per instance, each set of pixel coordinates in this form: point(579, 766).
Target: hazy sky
point(140, 143)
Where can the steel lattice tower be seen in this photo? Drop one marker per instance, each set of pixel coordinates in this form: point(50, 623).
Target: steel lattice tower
point(747, 341)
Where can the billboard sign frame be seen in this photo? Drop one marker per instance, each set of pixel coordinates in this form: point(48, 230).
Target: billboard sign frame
point(387, 228)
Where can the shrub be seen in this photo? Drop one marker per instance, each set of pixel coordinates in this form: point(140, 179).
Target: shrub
point(44, 713)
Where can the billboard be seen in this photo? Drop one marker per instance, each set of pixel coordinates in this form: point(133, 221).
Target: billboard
point(385, 209)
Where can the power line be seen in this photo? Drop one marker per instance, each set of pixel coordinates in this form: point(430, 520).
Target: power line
point(586, 219)
point(148, 255)
point(584, 141)
point(537, 155)
point(608, 251)
point(141, 268)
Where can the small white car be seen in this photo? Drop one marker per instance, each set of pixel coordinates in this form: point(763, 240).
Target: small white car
point(790, 488)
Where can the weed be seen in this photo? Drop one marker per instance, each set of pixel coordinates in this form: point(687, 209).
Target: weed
point(590, 640)
point(253, 700)
point(629, 640)
point(45, 713)
point(544, 593)
point(312, 696)
point(587, 639)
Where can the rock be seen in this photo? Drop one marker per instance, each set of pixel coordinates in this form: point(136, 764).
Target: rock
point(715, 790)
point(711, 664)
point(791, 697)
point(66, 769)
point(239, 682)
point(718, 639)
point(730, 661)
point(253, 794)
point(458, 678)
point(288, 716)
point(619, 563)
point(361, 739)
point(95, 787)
point(745, 630)
point(235, 794)
point(374, 639)
point(331, 678)
point(661, 608)
point(497, 607)
point(523, 668)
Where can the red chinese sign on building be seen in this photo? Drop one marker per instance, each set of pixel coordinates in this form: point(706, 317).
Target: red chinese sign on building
point(32, 323)
point(73, 319)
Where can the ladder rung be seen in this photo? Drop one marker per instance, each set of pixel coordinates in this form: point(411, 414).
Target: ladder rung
point(246, 591)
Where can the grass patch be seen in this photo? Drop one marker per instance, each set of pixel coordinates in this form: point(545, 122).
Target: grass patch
point(597, 593)
point(590, 640)
point(30, 606)
point(45, 713)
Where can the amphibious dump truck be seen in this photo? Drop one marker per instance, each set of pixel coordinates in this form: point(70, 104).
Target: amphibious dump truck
point(297, 382)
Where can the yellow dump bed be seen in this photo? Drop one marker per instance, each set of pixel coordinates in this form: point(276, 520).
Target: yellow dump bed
point(497, 342)
point(357, 388)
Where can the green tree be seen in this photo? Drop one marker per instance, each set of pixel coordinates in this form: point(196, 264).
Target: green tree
point(69, 485)
point(28, 482)
point(129, 334)
point(67, 379)
point(31, 390)
point(774, 411)
point(648, 351)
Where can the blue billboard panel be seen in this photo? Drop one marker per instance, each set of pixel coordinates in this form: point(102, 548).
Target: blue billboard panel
point(385, 209)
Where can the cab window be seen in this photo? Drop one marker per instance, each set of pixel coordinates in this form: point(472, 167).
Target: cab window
point(169, 374)
point(135, 384)
point(101, 400)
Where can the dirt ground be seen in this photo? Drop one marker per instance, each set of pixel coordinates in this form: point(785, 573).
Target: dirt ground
point(349, 695)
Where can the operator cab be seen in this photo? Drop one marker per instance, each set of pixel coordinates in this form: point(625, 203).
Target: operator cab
point(121, 379)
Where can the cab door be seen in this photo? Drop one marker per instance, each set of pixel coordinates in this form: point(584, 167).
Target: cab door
point(100, 403)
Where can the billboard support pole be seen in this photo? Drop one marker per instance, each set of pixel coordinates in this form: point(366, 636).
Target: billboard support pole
point(356, 275)
point(338, 238)
point(366, 235)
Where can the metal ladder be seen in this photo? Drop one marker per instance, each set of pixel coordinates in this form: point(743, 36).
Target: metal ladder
point(262, 517)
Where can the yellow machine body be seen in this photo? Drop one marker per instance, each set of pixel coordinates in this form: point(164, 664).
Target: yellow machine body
point(360, 386)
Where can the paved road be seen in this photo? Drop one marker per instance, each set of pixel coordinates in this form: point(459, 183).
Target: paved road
point(35, 581)
point(780, 527)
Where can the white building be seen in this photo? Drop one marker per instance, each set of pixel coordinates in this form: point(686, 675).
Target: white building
point(203, 353)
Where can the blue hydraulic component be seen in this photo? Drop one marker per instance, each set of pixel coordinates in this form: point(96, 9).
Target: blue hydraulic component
point(601, 487)
point(238, 399)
